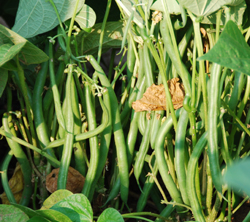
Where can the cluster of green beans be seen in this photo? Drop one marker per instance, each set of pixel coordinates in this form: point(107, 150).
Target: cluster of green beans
point(182, 152)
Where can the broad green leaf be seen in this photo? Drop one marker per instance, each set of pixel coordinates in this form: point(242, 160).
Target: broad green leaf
point(77, 207)
point(173, 6)
point(28, 54)
point(86, 17)
point(38, 219)
point(55, 198)
point(206, 7)
point(236, 13)
point(38, 16)
point(231, 50)
point(8, 51)
point(26, 210)
point(111, 215)
point(112, 38)
point(53, 215)
point(237, 176)
point(11, 213)
point(3, 80)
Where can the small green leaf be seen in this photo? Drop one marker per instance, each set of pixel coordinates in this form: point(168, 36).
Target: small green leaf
point(237, 176)
point(11, 213)
point(55, 198)
point(28, 54)
point(77, 207)
point(53, 215)
point(110, 215)
point(3, 80)
point(231, 50)
point(8, 51)
point(86, 17)
point(38, 16)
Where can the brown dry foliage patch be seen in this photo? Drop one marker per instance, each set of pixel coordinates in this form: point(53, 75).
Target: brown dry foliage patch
point(155, 99)
point(75, 181)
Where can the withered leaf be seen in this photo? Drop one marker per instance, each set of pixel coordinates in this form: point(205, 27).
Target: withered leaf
point(155, 99)
point(75, 181)
point(16, 184)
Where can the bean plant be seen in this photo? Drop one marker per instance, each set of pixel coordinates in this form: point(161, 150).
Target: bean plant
point(72, 113)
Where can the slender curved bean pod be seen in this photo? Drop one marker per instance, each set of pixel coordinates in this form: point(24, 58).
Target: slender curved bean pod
point(194, 201)
point(93, 142)
point(105, 139)
point(69, 141)
point(21, 158)
point(213, 114)
point(41, 128)
point(138, 165)
point(117, 128)
point(160, 158)
point(4, 177)
point(180, 139)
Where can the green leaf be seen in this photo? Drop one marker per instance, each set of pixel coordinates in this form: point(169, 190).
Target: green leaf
point(231, 50)
point(26, 210)
point(38, 219)
point(53, 215)
point(11, 213)
point(236, 13)
point(111, 215)
point(28, 54)
point(77, 207)
point(237, 176)
point(38, 16)
point(86, 17)
point(55, 198)
point(3, 80)
point(206, 7)
point(173, 6)
point(112, 38)
point(8, 51)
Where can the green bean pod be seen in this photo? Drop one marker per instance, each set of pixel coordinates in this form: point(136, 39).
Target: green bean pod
point(118, 132)
point(180, 146)
point(213, 114)
point(93, 142)
point(130, 58)
point(56, 95)
point(4, 177)
point(239, 83)
point(69, 141)
point(194, 201)
point(105, 139)
point(48, 97)
point(160, 158)
point(155, 127)
point(148, 68)
point(41, 128)
point(21, 158)
point(138, 165)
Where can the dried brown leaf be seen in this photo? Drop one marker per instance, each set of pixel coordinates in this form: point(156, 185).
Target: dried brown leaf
point(75, 181)
point(155, 99)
